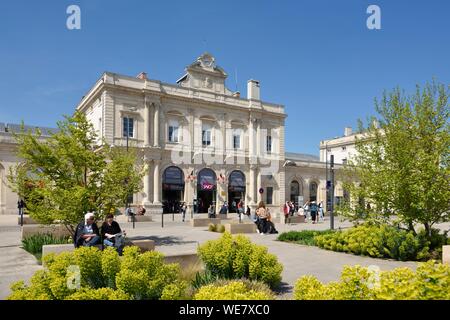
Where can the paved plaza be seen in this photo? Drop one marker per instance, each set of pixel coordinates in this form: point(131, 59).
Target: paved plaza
point(177, 237)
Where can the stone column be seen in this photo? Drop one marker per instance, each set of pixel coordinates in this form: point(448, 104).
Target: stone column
point(251, 191)
point(258, 185)
point(258, 138)
point(147, 183)
point(156, 126)
point(156, 183)
point(147, 120)
point(251, 140)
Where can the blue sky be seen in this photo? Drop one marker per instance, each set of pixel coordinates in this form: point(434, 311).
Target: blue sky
point(316, 57)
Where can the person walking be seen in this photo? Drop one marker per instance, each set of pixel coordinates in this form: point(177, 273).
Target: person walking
point(314, 208)
point(183, 210)
point(306, 210)
point(211, 212)
point(322, 218)
point(240, 208)
point(291, 208)
point(286, 209)
point(224, 208)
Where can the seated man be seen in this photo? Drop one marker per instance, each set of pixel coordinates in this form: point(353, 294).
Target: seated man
point(87, 233)
point(112, 235)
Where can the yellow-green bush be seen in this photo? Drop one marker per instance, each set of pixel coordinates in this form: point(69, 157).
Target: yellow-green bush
point(238, 257)
point(178, 291)
point(430, 281)
point(382, 241)
point(234, 290)
point(103, 275)
point(98, 294)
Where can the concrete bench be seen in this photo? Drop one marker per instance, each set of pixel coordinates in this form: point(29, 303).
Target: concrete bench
point(57, 230)
point(293, 219)
point(235, 228)
point(204, 222)
point(144, 245)
point(446, 254)
point(26, 220)
point(185, 260)
point(59, 248)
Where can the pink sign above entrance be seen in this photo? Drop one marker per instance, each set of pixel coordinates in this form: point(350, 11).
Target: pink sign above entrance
point(207, 186)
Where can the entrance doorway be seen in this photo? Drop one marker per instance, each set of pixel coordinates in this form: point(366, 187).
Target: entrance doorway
point(172, 189)
point(313, 191)
point(236, 190)
point(296, 192)
point(206, 190)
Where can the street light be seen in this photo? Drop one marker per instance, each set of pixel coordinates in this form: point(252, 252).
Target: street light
point(128, 210)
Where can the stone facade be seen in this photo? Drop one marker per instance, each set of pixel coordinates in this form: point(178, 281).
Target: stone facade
point(203, 144)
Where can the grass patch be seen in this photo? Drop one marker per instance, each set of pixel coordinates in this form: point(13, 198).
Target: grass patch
point(33, 244)
point(305, 237)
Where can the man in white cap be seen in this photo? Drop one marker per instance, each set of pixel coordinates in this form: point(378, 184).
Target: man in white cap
point(87, 233)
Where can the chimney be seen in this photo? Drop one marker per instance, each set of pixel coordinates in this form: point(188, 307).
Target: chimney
point(142, 76)
point(253, 90)
point(347, 131)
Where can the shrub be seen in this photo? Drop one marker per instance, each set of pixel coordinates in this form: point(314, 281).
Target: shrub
point(431, 281)
point(98, 294)
point(234, 290)
point(305, 237)
point(103, 274)
point(33, 244)
point(203, 278)
point(178, 291)
point(382, 241)
point(212, 227)
point(238, 257)
point(220, 228)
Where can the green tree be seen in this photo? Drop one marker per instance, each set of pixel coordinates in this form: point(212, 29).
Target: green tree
point(402, 163)
point(70, 173)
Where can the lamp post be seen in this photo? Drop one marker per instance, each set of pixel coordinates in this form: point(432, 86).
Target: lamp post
point(332, 192)
point(128, 210)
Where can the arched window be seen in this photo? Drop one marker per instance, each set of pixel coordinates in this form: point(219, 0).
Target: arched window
point(206, 179)
point(295, 191)
point(313, 191)
point(172, 189)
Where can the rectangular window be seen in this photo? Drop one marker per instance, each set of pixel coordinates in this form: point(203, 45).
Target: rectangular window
point(206, 137)
point(128, 127)
point(173, 133)
point(269, 144)
point(236, 140)
point(269, 199)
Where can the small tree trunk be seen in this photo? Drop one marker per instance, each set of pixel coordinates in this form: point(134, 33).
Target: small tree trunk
point(411, 228)
point(427, 229)
point(71, 229)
